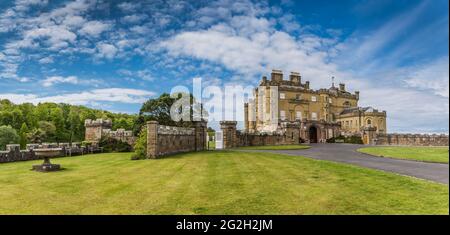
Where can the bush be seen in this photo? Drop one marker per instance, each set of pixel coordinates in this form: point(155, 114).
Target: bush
point(140, 147)
point(8, 136)
point(113, 145)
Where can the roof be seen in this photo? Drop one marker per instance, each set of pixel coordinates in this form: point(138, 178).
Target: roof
point(361, 109)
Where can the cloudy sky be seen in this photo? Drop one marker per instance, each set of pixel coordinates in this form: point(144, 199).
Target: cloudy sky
point(114, 55)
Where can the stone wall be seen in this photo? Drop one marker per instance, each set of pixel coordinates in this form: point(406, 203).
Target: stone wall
point(233, 138)
point(13, 152)
point(412, 140)
point(165, 140)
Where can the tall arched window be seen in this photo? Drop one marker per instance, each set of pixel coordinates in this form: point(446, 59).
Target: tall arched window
point(369, 122)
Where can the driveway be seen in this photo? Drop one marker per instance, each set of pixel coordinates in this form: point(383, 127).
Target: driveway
point(347, 153)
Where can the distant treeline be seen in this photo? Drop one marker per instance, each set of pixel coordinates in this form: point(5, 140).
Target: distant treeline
point(51, 122)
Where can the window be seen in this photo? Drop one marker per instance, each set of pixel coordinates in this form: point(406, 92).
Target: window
point(282, 96)
point(298, 97)
point(283, 115)
point(314, 116)
point(369, 122)
point(330, 101)
point(346, 104)
point(298, 115)
point(313, 98)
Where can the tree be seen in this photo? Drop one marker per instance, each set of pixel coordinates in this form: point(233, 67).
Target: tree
point(8, 136)
point(158, 109)
point(23, 135)
point(36, 136)
point(49, 131)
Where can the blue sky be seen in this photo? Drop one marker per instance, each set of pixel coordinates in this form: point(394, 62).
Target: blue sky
point(114, 55)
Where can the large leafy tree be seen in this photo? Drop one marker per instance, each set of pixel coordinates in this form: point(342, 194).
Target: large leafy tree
point(158, 109)
point(8, 136)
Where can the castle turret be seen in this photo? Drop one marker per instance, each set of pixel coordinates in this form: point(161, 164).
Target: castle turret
point(95, 129)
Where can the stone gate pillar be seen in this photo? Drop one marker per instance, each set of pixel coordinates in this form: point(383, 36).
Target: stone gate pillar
point(152, 139)
point(229, 133)
point(369, 135)
point(200, 135)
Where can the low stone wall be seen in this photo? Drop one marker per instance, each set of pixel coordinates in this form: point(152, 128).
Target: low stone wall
point(165, 140)
point(233, 138)
point(412, 140)
point(13, 152)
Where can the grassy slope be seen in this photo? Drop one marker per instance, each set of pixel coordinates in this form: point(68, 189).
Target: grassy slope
point(428, 154)
point(213, 183)
point(276, 147)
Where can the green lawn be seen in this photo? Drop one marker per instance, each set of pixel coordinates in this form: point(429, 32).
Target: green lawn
point(276, 147)
point(427, 154)
point(213, 182)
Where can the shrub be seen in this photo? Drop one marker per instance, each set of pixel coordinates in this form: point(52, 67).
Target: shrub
point(8, 136)
point(140, 147)
point(113, 145)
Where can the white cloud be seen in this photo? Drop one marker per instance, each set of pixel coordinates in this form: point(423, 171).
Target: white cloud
point(94, 28)
point(144, 74)
point(255, 48)
point(46, 60)
point(118, 95)
point(106, 50)
point(135, 18)
point(432, 77)
point(50, 81)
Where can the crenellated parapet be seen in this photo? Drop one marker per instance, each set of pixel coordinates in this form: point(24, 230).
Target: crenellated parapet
point(96, 129)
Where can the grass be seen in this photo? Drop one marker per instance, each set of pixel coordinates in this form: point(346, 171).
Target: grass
point(275, 147)
point(425, 154)
point(211, 144)
point(213, 182)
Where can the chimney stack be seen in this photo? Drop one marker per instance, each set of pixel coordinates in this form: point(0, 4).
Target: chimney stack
point(307, 84)
point(341, 86)
point(277, 75)
point(295, 78)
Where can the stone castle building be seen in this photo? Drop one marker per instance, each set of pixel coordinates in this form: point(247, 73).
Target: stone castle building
point(96, 129)
point(316, 114)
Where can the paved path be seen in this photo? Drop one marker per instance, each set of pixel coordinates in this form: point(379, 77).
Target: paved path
point(347, 153)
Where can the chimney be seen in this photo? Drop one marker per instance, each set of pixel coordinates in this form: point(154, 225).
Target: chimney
point(341, 86)
point(295, 78)
point(357, 95)
point(307, 84)
point(264, 79)
point(277, 75)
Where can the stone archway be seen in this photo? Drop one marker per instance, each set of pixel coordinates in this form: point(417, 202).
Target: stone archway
point(313, 134)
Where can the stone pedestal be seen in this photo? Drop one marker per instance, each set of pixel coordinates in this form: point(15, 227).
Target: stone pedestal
point(46, 154)
point(47, 166)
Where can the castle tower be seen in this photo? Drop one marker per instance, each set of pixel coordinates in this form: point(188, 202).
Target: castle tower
point(95, 129)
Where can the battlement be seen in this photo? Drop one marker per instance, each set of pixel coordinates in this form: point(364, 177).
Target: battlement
point(105, 123)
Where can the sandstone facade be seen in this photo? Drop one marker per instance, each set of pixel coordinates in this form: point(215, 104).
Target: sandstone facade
point(318, 114)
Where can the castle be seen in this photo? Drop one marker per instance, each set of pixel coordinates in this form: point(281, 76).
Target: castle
point(96, 129)
point(317, 114)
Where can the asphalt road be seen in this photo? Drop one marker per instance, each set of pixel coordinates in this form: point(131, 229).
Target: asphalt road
point(347, 153)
